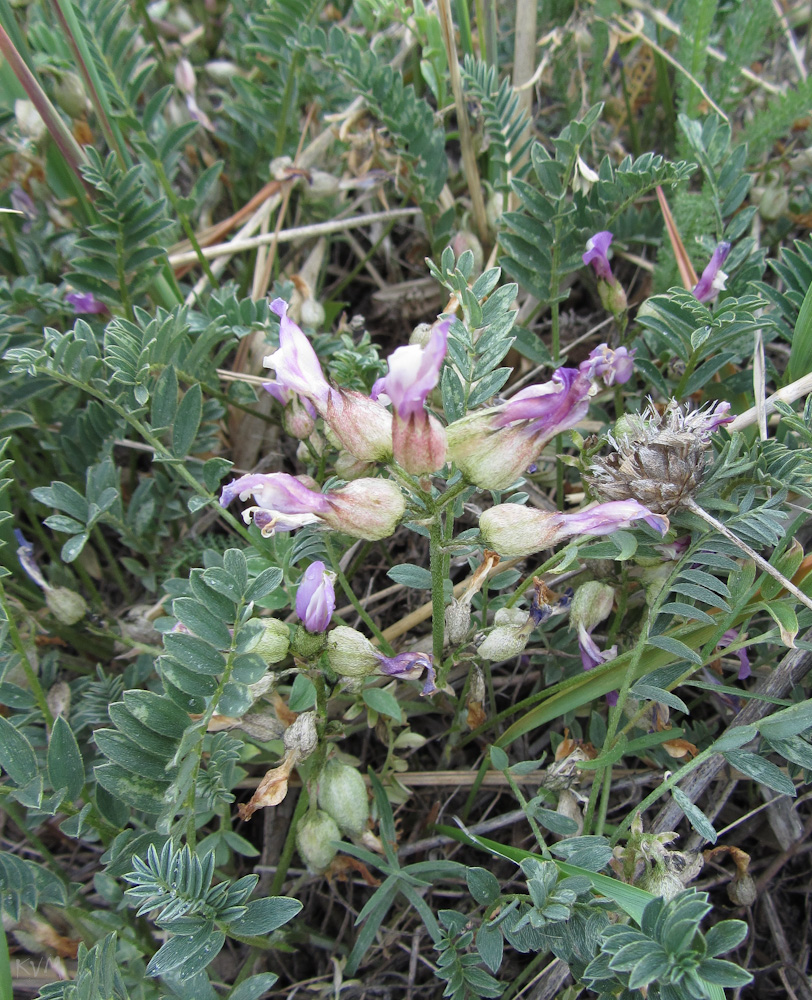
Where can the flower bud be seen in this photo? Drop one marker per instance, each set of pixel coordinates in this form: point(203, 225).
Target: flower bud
point(419, 444)
point(185, 79)
point(343, 795)
point(509, 637)
point(613, 297)
point(301, 737)
point(420, 335)
point(70, 95)
point(314, 834)
point(316, 598)
point(592, 604)
point(661, 882)
point(349, 653)
point(221, 70)
point(274, 642)
point(307, 645)
point(466, 240)
point(366, 508)
point(58, 699)
point(65, 605)
point(29, 123)
point(297, 421)
point(320, 185)
point(348, 467)
point(312, 314)
point(363, 426)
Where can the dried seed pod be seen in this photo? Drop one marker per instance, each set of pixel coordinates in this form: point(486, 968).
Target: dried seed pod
point(658, 460)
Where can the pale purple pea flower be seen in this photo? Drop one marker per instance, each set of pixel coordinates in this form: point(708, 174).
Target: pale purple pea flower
point(418, 439)
point(605, 518)
point(596, 255)
point(364, 508)
point(296, 363)
point(591, 654)
point(85, 302)
point(610, 289)
point(514, 530)
point(614, 366)
point(25, 553)
point(410, 666)
point(316, 598)
point(494, 447)
point(713, 277)
point(363, 426)
point(275, 491)
point(413, 372)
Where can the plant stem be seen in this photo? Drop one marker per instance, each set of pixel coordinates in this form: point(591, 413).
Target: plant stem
point(523, 803)
point(437, 596)
point(469, 163)
point(290, 844)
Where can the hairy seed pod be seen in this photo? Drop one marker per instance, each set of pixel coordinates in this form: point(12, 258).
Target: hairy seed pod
point(313, 840)
point(343, 795)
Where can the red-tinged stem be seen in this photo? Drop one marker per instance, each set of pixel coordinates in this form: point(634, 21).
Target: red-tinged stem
point(61, 134)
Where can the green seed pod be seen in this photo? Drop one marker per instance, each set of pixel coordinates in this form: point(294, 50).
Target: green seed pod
point(343, 795)
point(65, 605)
point(314, 834)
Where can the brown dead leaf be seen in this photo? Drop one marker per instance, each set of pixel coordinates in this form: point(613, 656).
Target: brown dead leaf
point(342, 866)
point(680, 748)
point(40, 936)
point(283, 713)
point(271, 790)
point(476, 715)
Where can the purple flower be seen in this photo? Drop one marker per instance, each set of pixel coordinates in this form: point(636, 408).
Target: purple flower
point(418, 439)
point(604, 518)
point(559, 403)
point(316, 598)
point(493, 447)
point(296, 364)
point(413, 372)
point(363, 426)
point(410, 666)
point(513, 530)
point(25, 553)
point(610, 289)
point(85, 302)
point(275, 491)
point(744, 660)
point(591, 605)
point(591, 655)
point(365, 508)
point(596, 248)
point(713, 278)
point(614, 367)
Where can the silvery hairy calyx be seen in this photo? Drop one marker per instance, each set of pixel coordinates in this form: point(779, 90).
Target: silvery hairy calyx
point(658, 459)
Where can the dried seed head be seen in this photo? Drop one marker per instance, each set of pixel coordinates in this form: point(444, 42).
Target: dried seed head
point(658, 459)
